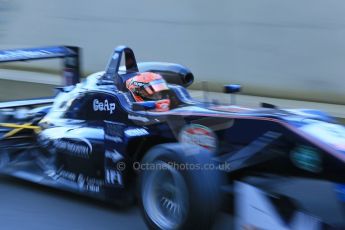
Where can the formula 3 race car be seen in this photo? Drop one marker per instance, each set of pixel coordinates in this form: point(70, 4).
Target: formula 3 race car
point(273, 168)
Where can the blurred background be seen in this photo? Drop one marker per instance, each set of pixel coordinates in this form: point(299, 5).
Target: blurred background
point(278, 49)
point(288, 49)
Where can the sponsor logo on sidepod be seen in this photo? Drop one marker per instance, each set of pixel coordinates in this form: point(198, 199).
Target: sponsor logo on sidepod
point(74, 146)
point(103, 106)
point(199, 135)
point(136, 132)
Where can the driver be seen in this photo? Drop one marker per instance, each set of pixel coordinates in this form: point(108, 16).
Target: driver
point(150, 86)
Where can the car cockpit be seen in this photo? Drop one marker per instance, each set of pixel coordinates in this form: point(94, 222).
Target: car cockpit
point(176, 76)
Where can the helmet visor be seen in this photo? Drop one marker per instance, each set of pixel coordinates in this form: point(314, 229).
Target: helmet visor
point(154, 88)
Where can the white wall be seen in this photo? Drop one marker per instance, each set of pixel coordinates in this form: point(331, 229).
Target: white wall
point(282, 48)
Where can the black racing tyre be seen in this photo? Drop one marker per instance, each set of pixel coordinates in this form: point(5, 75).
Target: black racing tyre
point(179, 187)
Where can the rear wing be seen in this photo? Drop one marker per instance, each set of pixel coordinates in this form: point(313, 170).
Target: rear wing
point(69, 54)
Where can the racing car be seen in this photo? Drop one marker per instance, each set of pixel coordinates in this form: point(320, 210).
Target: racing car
point(183, 161)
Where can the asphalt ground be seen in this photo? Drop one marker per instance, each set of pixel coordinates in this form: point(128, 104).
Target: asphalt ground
point(24, 205)
point(32, 207)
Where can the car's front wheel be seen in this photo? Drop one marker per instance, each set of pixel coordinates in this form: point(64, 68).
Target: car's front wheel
point(179, 187)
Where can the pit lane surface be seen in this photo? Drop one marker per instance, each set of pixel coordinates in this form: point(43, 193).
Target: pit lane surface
point(24, 205)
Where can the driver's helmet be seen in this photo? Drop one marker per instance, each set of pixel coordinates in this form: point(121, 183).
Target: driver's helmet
point(149, 86)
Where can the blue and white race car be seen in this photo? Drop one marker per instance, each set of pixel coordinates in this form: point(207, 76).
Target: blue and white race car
point(134, 132)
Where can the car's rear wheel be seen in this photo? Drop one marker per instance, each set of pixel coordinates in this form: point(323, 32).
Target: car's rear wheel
point(179, 187)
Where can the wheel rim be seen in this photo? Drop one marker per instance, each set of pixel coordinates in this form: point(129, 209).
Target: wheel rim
point(165, 197)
